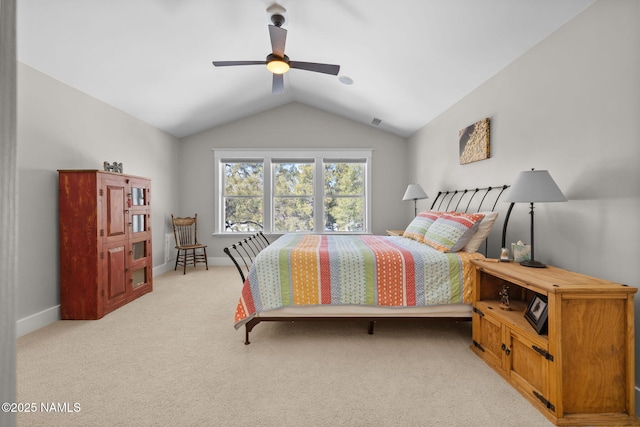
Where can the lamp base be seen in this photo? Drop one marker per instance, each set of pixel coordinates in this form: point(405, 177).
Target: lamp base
point(533, 263)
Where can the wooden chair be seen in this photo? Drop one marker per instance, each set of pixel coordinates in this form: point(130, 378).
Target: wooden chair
point(185, 231)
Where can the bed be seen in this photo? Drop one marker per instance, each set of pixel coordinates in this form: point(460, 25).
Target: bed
point(424, 273)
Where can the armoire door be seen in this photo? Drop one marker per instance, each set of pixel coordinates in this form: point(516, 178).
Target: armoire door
point(115, 271)
point(115, 210)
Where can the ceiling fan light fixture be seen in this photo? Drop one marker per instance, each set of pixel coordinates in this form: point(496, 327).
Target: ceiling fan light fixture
point(277, 62)
point(277, 65)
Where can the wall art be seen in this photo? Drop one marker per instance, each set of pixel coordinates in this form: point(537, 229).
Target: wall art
point(474, 142)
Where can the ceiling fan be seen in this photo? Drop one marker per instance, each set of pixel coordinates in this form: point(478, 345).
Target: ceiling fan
point(277, 62)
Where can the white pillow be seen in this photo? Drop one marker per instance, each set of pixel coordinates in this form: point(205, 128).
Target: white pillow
point(483, 230)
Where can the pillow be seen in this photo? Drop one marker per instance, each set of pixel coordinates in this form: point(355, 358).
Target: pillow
point(451, 232)
point(482, 232)
point(420, 224)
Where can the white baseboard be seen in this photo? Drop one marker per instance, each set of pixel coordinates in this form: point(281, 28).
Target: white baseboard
point(37, 321)
point(52, 314)
point(220, 261)
point(213, 261)
point(169, 266)
point(161, 269)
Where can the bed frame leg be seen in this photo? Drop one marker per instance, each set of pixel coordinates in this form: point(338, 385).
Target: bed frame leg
point(247, 328)
point(371, 324)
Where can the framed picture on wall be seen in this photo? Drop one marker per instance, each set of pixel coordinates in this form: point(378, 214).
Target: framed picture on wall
point(474, 142)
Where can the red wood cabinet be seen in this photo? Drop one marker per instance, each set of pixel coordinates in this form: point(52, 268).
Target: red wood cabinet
point(105, 241)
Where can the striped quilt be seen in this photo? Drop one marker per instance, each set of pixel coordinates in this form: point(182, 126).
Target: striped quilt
point(392, 271)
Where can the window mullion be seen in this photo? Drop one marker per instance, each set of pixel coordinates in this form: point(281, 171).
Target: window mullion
point(367, 195)
point(318, 196)
point(218, 192)
point(268, 196)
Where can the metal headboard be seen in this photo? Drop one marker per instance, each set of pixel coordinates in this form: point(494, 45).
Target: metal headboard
point(246, 250)
point(474, 200)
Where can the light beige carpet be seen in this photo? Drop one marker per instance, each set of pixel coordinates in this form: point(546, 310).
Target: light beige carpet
point(173, 358)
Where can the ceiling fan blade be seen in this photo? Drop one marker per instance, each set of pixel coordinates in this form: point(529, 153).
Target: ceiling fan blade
point(314, 66)
point(278, 84)
point(278, 40)
point(230, 63)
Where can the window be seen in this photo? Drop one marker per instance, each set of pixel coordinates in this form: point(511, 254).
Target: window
point(242, 198)
point(288, 191)
point(344, 196)
point(293, 198)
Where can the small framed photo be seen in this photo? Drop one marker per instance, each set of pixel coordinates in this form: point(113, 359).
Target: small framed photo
point(536, 313)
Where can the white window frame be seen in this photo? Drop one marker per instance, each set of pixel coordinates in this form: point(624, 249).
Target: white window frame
point(267, 155)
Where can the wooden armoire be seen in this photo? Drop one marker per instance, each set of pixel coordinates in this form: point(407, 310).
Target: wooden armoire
point(105, 241)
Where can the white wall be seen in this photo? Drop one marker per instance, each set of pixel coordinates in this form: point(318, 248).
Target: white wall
point(62, 128)
point(292, 126)
point(570, 105)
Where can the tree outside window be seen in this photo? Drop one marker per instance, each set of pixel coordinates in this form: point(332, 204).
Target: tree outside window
point(293, 197)
point(343, 196)
point(243, 196)
point(289, 191)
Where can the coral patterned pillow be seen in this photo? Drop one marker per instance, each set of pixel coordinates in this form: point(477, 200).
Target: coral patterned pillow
point(451, 232)
point(420, 224)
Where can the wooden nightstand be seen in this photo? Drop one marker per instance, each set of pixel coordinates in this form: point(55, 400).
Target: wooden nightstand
point(394, 232)
point(580, 371)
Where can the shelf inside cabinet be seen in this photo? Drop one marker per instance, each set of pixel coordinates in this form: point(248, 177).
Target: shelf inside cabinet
point(514, 317)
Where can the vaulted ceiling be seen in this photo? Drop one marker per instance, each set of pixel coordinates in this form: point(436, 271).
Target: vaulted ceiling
point(408, 60)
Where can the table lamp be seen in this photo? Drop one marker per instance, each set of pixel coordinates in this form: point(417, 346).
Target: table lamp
point(531, 187)
point(414, 192)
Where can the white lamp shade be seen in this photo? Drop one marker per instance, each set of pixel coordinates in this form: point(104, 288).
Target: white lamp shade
point(414, 192)
point(534, 186)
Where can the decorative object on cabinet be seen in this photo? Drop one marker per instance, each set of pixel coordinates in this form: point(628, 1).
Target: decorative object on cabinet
point(531, 187)
point(115, 167)
point(580, 371)
point(504, 297)
point(521, 252)
point(474, 142)
point(536, 313)
point(414, 192)
point(105, 241)
point(190, 251)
